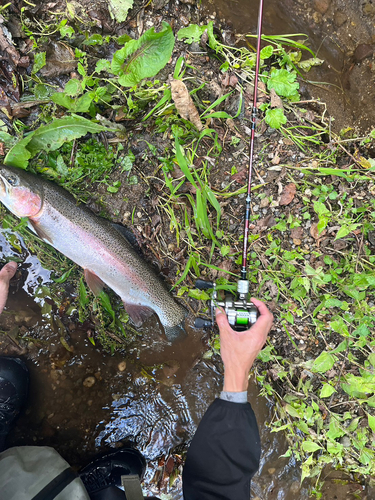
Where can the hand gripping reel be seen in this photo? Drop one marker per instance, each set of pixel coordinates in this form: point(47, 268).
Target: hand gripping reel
point(241, 313)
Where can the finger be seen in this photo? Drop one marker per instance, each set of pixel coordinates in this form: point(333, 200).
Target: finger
point(221, 318)
point(8, 271)
point(263, 309)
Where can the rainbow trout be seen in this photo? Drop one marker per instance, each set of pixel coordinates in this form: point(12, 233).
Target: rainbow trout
point(94, 244)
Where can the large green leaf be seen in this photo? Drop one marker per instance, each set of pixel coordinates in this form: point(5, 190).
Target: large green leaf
point(143, 58)
point(323, 362)
point(49, 138)
point(275, 117)
point(283, 82)
point(118, 9)
point(310, 446)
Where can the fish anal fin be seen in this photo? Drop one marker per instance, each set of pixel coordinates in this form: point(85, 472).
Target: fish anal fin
point(94, 282)
point(39, 231)
point(138, 314)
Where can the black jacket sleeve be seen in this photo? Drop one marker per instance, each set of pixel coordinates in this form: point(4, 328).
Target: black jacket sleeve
point(224, 454)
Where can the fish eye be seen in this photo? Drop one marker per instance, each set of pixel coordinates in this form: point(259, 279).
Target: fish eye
point(12, 180)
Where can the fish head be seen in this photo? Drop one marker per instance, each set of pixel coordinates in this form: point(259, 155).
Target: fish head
point(19, 192)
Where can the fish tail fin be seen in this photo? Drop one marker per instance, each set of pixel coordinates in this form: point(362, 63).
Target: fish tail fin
point(176, 332)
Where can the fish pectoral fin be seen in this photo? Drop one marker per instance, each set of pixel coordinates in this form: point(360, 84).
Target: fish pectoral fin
point(39, 231)
point(95, 284)
point(138, 314)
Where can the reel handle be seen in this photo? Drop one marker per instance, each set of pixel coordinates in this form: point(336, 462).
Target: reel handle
point(202, 323)
point(204, 285)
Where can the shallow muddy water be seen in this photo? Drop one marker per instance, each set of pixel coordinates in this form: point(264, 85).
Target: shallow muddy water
point(341, 32)
point(88, 401)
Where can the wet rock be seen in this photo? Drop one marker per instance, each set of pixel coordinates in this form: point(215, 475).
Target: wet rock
point(170, 368)
point(369, 9)
point(89, 381)
point(121, 366)
point(295, 487)
point(322, 5)
point(159, 4)
point(362, 51)
point(339, 18)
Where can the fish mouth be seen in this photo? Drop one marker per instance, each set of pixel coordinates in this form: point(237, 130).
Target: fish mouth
point(4, 186)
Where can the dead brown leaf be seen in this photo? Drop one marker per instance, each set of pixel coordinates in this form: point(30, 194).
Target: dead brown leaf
point(276, 102)
point(288, 194)
point(241, 176)
point(315, 233)
point(296, 232)
point(184, 103)
point(229, 80)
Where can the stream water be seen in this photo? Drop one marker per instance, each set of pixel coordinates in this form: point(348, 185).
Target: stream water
point(341, 32)
point(84, 400)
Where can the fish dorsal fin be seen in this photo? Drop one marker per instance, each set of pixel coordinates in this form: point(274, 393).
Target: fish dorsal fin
point(128, 235)
point(138, 314)
point(39, 231)
point(95, 284)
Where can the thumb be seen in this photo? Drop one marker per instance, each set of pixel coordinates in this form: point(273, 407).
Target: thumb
point(8, 271)
point(221, 318)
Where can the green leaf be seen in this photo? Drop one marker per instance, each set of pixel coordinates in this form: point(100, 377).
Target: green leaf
point(19, 155)
point(275, 118)
point(102, 65)
point(307, 64)
point(50, 137)
point(310, 446)
point(320, 208)
point(323, 362)
point(7, 139)
point(95, 39)
point(371, 422)
point(66, 31)
point(371, 359)
point(83, 296)
point(73, 87)
point(143, 58)
point(181, 160)
point(213, 43)
point(106, 304)
point(39, 62)
point(118, 9)
point(191, 34)
point(283, 82)
point(266, 52)
point(292, 411)
point(335, 431)
point(326, 391)
point(345, 230)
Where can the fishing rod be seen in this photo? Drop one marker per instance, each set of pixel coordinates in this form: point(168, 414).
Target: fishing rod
point(240, 311)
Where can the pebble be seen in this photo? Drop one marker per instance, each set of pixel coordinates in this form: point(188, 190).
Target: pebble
point(121, 366)
point(339, 18)
point(322, 5)
point(89, 381)
point(256, 208)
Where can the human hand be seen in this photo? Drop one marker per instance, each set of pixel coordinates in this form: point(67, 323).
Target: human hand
point(239, 349)
point(6, 274)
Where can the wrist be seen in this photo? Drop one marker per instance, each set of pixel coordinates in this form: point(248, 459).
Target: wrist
point(235, 381)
